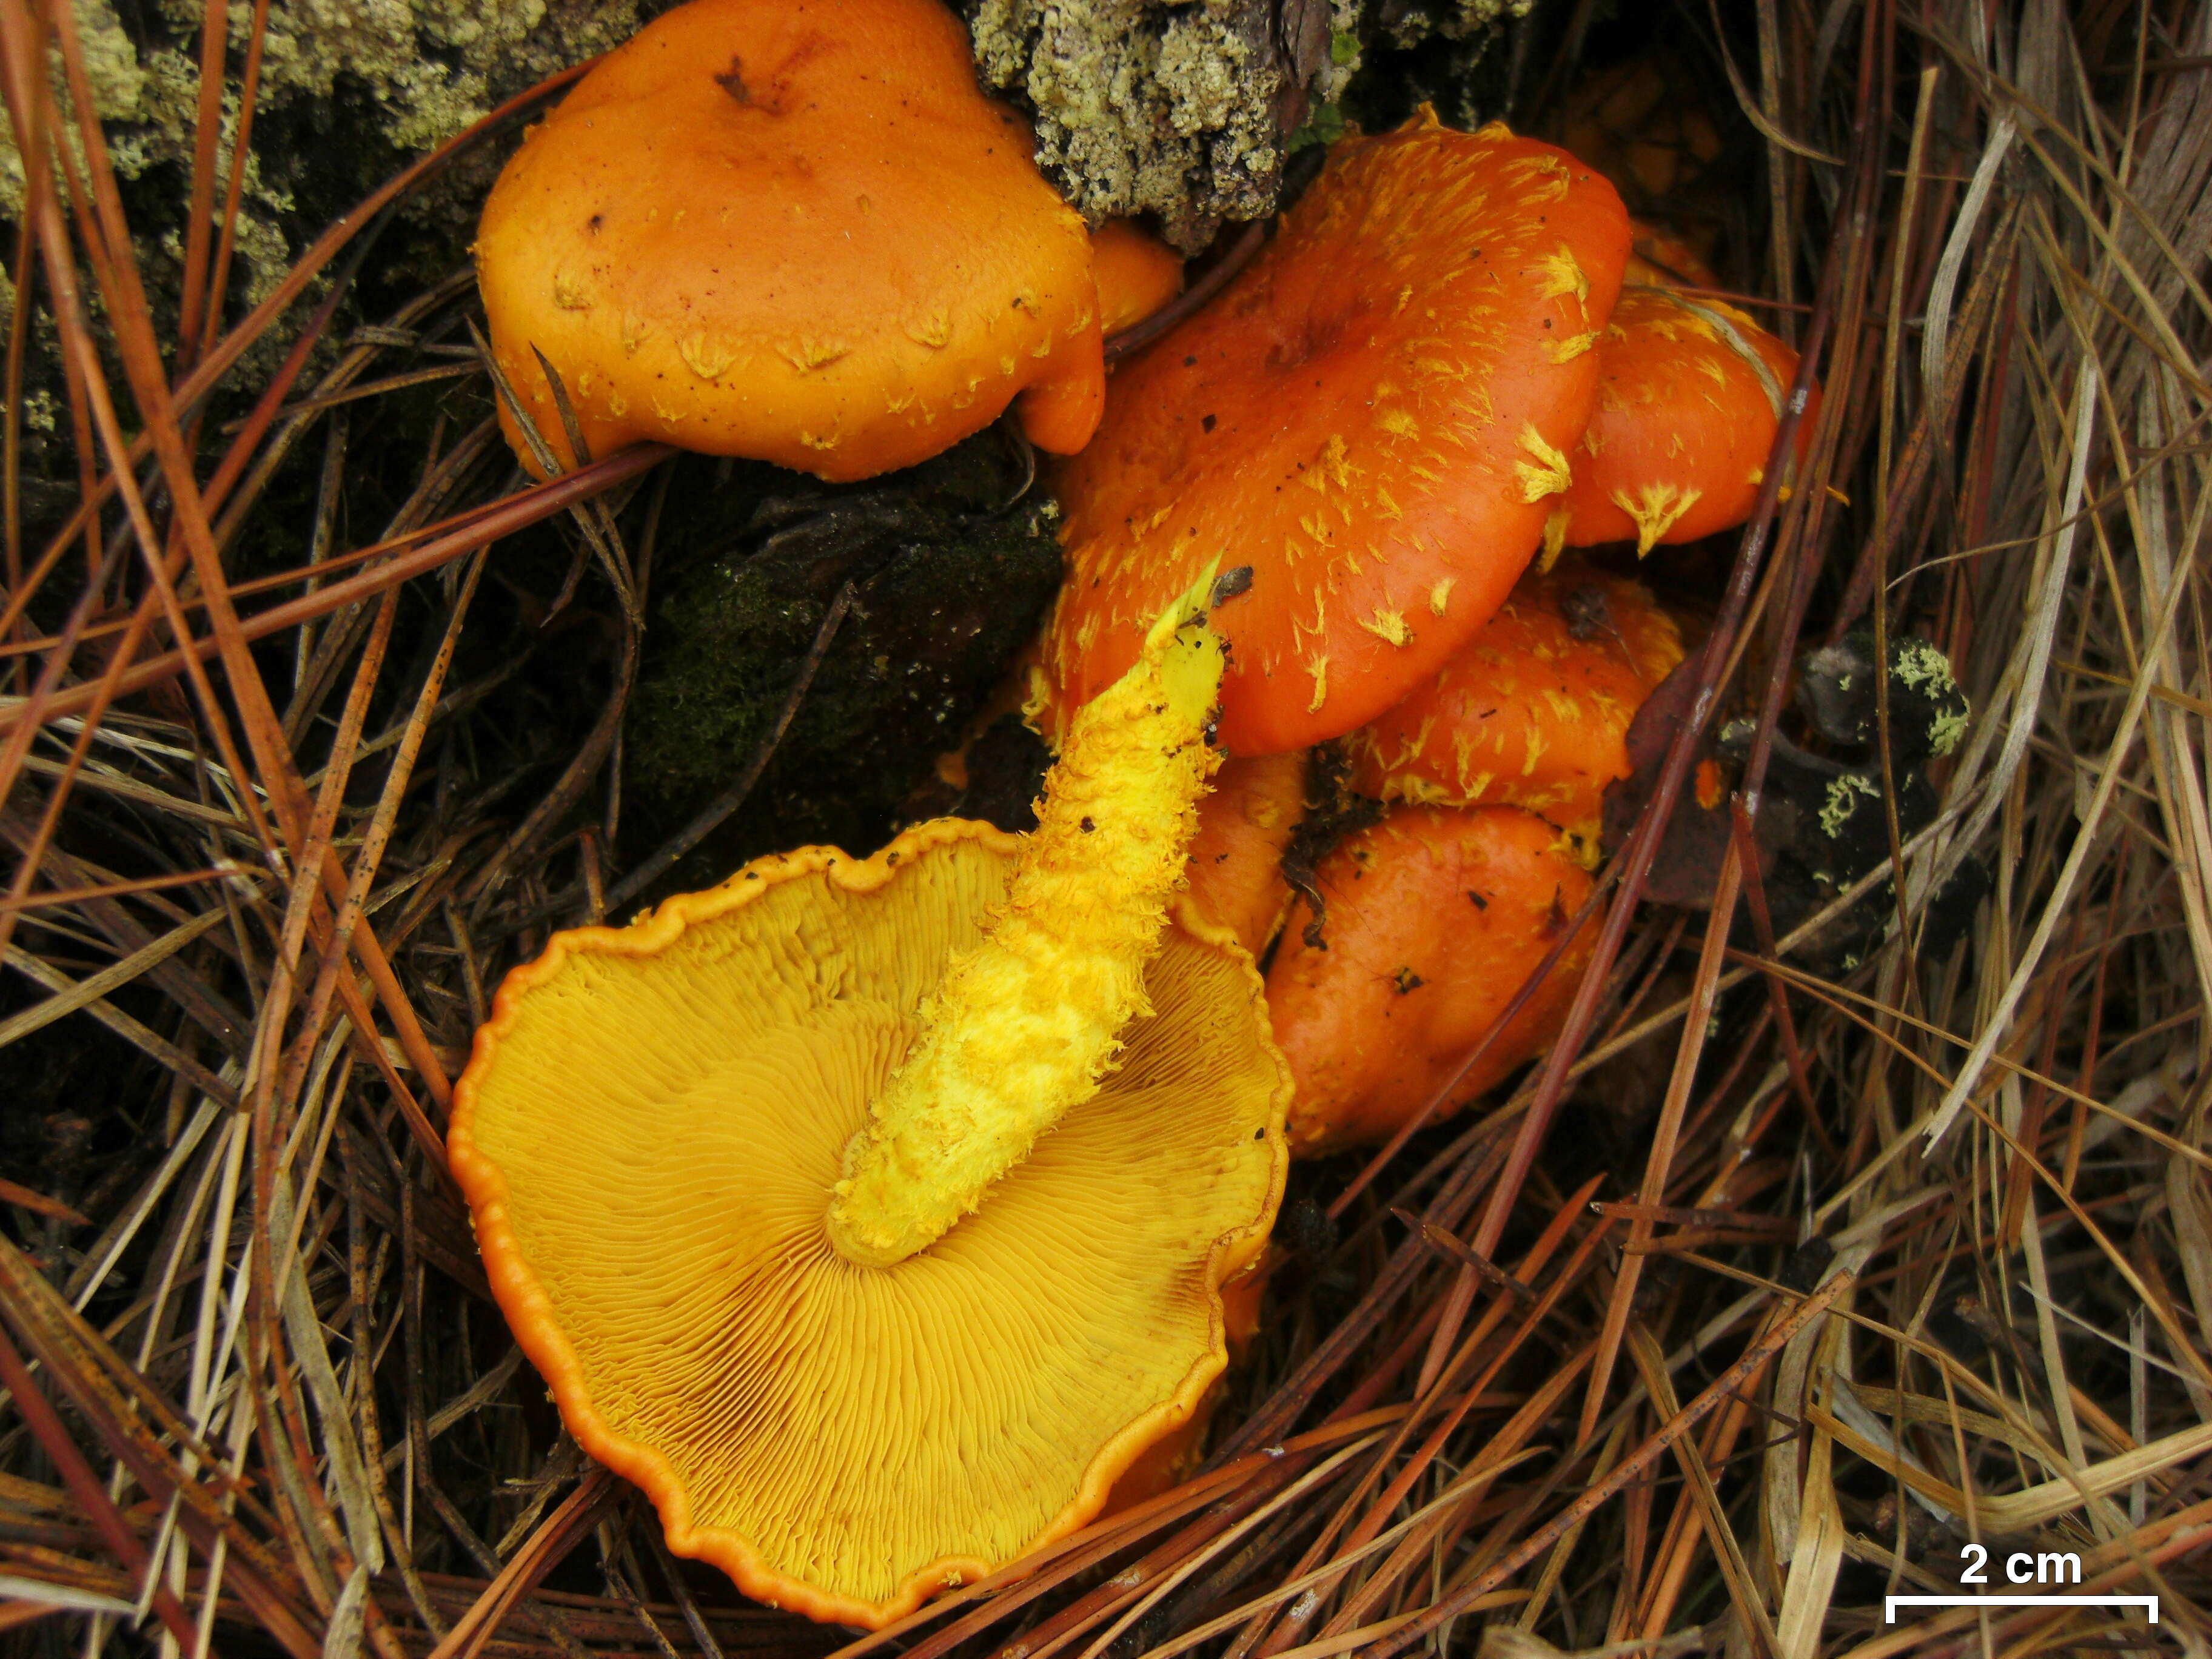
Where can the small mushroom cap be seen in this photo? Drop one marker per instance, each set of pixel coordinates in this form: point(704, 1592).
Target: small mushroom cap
point(1436, 916)
point(795, 232)
point(1533, 711)
point(1374, 416)
point(1136, 274)
point(1637, 123)
point(1691, 394)
point(1236, 869)
point(647, 1134)
point(1657, 255)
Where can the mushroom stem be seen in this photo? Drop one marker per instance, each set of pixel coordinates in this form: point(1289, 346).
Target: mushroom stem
point(1023, 1026)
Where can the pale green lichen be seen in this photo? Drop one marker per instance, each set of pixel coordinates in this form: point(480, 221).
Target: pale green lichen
point(1920, 666)
point(128, 93)
point(1141, 106)
point(1945, 730)
point(433, 66)
point(1455, 19)
point(1344, 55)
point(429, 68)
point(1187, 111)
point(1923, 668)
point(1844, 796)
point(40, 411)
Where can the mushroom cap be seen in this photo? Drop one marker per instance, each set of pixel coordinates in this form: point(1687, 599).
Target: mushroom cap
point(1236, 868)
point(1533, 711)
point(1374, 416)
point(794, 232)
point(1657, 255)
point(1637, 123)
point(647, 1132)
point(1436, 914)
point(1175, 1456)
point(1691, 394)
point(1136, 274)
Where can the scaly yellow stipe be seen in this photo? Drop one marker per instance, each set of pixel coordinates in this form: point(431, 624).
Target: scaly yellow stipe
point(1023, 1026)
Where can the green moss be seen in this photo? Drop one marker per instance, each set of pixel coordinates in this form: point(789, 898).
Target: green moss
point(1324, 125)
point(946, 593)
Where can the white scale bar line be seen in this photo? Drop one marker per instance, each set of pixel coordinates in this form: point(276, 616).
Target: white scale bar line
point(1890, 1604)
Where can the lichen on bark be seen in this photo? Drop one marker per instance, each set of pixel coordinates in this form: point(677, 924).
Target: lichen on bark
point(404, 75)
point(1143, 107)
point(350, 91)
point(1188, 111)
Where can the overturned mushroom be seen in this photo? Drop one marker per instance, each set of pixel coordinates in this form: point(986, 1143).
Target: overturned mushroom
point(1175, 1456)
point(763, 1186)
point(1020, 1029)
point(796, 232)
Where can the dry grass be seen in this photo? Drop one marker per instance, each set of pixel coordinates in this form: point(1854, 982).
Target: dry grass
point(257, 1395)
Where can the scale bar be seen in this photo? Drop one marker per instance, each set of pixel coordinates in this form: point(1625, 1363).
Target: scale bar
point(1890, 1604)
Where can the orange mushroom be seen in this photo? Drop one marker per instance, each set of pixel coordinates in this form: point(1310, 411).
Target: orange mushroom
point(1175, 1456)
point(1657, 255)
point(1634, 122)
point(1690, 395)
point(1136, 274)
point(1375, 415)
point(873, 1214)
point(795, 232)
point(1435, 917)
point(648, 1134)
point(1235, 871)
point(1533, 711)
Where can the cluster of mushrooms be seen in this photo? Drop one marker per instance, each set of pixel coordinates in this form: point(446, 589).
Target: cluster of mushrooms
point(887, 1215)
